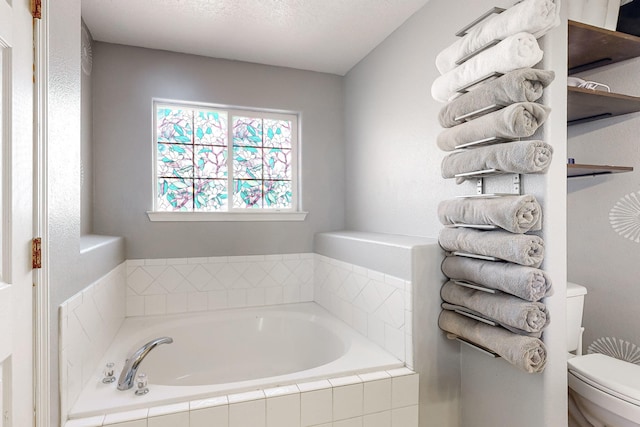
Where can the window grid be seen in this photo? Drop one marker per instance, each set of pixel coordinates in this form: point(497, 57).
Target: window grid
point(224, 160)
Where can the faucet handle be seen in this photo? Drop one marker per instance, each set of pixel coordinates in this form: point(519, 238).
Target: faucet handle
point(109, 373)
point(142, 384)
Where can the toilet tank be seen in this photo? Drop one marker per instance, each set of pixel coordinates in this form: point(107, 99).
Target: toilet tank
point(575, 305)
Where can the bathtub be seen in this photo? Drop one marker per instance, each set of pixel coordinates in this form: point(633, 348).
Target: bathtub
point(231, 351)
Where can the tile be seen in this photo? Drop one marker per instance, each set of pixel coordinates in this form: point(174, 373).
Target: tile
point(208, 402)
point(347, 401)
point(405, 417)
point(215, 416)
point(352, 422)
point(281, 391)
point(169, 420)
point(86, 422)
point(283, 411)
point(159, 261)
point(155, 304)
point(380, 419)
point(341, 381)
point(274, 295)
point(137, 423)
point(377, 396)
point(157, 411)
point(197, 301)
point(121, 417)
point(245, 397)
point(217, 300)
point(404, 391)
point(139, 280)
point(394, 341)
point(375, 330)
point(374, 376)
point(135, 306)
point(256, 297)
point(316, 407)
point(176, 303)
point(248, 414)
point(399, 372)
point(314, 385)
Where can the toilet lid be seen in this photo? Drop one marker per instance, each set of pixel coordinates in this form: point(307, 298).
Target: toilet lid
point(613, 376)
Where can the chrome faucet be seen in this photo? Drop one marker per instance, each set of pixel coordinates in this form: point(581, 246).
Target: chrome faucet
point(128, 374)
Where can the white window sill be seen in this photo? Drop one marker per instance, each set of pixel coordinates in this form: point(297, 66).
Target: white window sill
point(226, 216)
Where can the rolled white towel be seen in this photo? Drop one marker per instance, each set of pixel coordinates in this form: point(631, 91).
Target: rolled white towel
point(516, 214)
point(536, 17)
point(523, 249)
point(517, 315)
point(527, 353)
point(517, 51)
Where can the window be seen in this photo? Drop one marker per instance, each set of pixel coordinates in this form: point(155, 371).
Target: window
point(219, 160)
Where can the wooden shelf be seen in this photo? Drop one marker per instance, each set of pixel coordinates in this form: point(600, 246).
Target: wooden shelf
point(576, 170)
point(586, 105)
point(591, 47)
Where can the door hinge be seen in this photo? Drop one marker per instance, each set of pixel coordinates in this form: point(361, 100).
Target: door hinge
point(36, 9)
point(36, 253)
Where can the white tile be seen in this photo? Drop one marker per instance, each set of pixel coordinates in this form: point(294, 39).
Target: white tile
point(177, 261)
point(394, 341)
point(375, 275)
point(137, 423)
point(405, 417)
point(316, 407)
point(380, 419)
point(135, 305)
point(395, 282)
point(404, 391)
point(217, 300)
point(86, 422)
point(274, 295)
point(121, 417)
point(283, 411)
point(255, 297)
point(352, 422)
point(245, 397)
point(139, 280)
point(155, 304)
point(157, 411)
point(341, 381)
point(197, 301)
point(199, 277)
point(176, 303)
point(236, 298)
point(219, 259)
point(399, 372)
point(375, 331)
point(281, 391)
point(215, 416)
point(347, 401)
point(158, 261)
point(208, 402)
point(377, 396)
point(391, 311)
point(170, 420)
point(134, 262)
point(170, 279)
point(314, 385)
point(374, 376)
point(248, 414)
point(200, 260)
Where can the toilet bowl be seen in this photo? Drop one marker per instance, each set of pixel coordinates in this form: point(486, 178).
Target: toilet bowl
point(606, 391)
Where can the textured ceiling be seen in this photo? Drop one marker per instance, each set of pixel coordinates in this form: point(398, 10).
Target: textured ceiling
point(319, 35)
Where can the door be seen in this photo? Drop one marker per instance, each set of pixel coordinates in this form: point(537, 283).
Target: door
point(16, 212)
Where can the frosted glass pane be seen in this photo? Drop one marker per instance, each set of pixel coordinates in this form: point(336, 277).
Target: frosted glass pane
point(247, 163)
point(211, 127)
point(175, 194)
point(247, 131)
point(211, 195)
point(175, 161)
point(210, 161)
point(277, 194)
point(247, 194)
point(175, 125)
point(277, 133)
point(277, 163)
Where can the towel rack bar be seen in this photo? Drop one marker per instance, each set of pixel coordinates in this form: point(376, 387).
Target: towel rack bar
point(474, 317)
point(468, 86)
point(482, 173)
point(486, 141)
point(475, 286)
point(481, 349)
point(479, 112)
point(476, 226)
point(477, 51)
point(484, 195)
point(495, 10)
point(476, 256)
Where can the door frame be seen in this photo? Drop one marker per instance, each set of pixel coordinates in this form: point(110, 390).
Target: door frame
point(41, 319)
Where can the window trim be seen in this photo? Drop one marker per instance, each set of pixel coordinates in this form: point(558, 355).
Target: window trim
point(295, 213)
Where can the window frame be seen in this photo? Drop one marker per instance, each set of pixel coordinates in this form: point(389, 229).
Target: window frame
point(294, 213)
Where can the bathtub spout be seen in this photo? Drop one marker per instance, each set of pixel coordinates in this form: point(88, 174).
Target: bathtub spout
point(128, 374)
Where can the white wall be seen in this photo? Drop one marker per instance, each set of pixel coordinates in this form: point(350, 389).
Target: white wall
point(394, 186)
point(601, 259)
point(125, 81)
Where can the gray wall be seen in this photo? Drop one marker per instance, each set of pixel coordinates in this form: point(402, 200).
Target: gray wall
point(394, 186)
point(86, 151)
point(602, 260)
point(125, 81)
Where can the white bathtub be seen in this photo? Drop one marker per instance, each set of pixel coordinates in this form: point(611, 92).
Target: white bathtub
point(231, 351)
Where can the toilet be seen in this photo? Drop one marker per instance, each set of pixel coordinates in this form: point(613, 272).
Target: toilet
point(603, 391)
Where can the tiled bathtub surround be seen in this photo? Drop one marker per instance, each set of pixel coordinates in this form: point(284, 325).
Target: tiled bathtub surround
point(88, 323)
point(181, 285)
point(377, 305)
point(378, 399)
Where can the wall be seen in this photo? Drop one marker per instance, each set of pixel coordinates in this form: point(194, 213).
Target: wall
point(125, 81)
point(600, 258)
point(86, 134)
point(391, 122)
